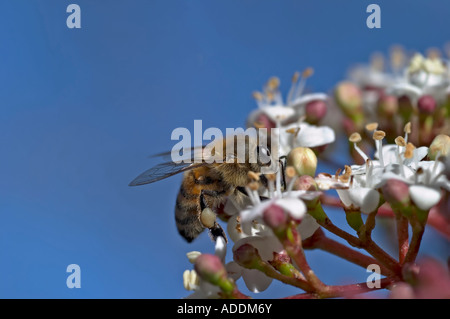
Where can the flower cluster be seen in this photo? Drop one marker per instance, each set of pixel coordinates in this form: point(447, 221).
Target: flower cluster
point(413, 89)
point(407, 180)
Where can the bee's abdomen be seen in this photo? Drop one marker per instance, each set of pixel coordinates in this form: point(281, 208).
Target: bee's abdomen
point(187, 214)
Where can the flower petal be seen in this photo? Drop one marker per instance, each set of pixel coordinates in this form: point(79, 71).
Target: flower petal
point(308, 226)
point(313, 136)
point(308, 98)
point(278, 112)
point(365, 198)
point(293, 206)
point(424, 197)
point(255, 280)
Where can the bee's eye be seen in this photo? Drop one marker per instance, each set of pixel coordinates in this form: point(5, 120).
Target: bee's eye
point(263, 155)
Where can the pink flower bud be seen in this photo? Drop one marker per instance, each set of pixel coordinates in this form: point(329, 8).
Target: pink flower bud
point(306, 183)
point(349, 97)
point(426, 104)
point(265, 121)
point(247, 256)
point(396, 192)
point(210, 268)
point(387, 105)
point(274, 217)
point(315, 111)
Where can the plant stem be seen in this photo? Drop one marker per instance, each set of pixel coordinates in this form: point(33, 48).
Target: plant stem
point(403, 237)
point(290, 280)
point(320, 241)
point(368, 244)
point(292, 243)
point(345, 290)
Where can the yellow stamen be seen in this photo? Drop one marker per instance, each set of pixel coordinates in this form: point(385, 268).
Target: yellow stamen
point(397, 57)
point(271, 177)
point(270, 96)
point(290, 171)
point(409, 151)
point(372, 126)
point(400, 141)
point(293, 131)
point(257, 96)
point(336, 175)
point(378, 135)
point(295, 77)
point(307, 72)
point(355, 138)
point(407, 128)
point(273, 83)
point(258, 125)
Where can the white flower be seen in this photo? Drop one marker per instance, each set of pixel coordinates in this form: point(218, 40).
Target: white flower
point(303, 135)
point(271, 104)
point(247, 227)
point(358, 185)
point(425, 76)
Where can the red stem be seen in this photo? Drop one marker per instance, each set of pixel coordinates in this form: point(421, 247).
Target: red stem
point(403, 237)
point(345, 290)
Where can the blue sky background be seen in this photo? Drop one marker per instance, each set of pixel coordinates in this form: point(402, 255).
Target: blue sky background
point(81, 109)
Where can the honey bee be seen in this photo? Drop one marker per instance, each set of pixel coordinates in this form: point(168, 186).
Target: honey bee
point(206, 185)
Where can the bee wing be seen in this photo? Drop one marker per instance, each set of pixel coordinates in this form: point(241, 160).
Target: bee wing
point(162, 171)
point(188, 153)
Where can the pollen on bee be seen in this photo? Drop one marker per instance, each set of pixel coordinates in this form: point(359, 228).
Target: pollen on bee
point(253, 175)
point(208, 217)
point(254, 186)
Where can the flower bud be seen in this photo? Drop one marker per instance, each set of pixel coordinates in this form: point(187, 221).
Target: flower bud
point(440, 145)
point(210, 268)
point(274, 217)
point(396, 193)
point(426, 104)
point(387, 106)
point(306, 183)
point(303, 160)
point(247, 256)
point(315, 111)
point(263, 121)
point(349, 98)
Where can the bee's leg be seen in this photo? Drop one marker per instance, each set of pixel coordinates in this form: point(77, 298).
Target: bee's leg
point(283, 169)
point(216, 230)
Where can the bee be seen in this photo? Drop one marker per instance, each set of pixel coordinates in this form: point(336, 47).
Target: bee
point(207, 184)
